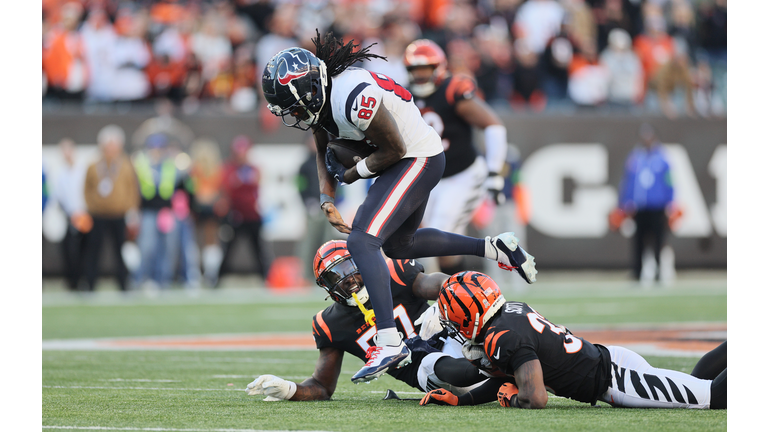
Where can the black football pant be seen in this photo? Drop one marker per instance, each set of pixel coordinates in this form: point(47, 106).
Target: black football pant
point(389, 219)
point(651, 227)
point(713, 366)
point(73, 248)
point(105, 227)
point(252, 231)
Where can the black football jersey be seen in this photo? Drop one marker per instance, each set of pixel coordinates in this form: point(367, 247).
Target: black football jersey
point(572, 367)
point(344, 327)
point(439, 111)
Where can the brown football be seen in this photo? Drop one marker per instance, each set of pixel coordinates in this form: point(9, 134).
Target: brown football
point(346, 150)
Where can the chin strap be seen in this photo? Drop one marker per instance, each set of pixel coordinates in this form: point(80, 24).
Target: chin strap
point(368, 314)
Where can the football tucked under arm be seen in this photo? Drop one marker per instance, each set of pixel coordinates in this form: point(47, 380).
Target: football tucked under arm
point(348, 151)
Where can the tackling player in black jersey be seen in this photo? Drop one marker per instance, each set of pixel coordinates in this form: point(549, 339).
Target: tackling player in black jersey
point(348, 326)
point(532, 356)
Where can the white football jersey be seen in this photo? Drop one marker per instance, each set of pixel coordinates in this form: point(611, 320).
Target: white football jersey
point(357, 94)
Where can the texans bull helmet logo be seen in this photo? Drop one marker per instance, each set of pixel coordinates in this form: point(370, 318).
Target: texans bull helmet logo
point(291, 68)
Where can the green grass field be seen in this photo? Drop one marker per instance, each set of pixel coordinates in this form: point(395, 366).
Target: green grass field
point(203, 390)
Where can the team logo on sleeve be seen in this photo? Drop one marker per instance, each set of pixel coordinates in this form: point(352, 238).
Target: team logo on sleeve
point(291, 68)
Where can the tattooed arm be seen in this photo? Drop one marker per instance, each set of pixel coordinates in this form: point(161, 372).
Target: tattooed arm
point(529, 379)
point(322, 384)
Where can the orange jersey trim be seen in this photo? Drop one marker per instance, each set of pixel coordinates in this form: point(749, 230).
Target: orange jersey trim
point(322, 324)
point(492, 345)
point(393, 272)
point(458, 85)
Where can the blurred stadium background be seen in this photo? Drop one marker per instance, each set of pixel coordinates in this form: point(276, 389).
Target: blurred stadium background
point(191, 69)
point(573, 80)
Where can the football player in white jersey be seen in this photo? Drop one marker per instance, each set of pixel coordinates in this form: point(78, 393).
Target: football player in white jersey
point(322, 91)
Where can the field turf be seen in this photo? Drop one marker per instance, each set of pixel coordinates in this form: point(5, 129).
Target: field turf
point(202, 390)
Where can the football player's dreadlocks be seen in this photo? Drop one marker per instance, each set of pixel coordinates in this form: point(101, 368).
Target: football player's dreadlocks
point(338, 57)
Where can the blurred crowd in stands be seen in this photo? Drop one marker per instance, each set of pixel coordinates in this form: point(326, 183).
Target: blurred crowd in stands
point(637, 56)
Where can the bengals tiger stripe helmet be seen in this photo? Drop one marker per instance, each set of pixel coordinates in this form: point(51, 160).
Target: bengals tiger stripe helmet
point(335, 272)
point(467, 301)
point(424, 52)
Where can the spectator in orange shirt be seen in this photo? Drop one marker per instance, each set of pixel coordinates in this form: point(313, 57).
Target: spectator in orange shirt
point(205, 177)
point(166, 12)
point(654, 47)
point(63, 55)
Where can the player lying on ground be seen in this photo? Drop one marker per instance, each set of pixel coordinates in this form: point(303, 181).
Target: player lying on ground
point(343, 327)
point(512, 341)
point(324, 92)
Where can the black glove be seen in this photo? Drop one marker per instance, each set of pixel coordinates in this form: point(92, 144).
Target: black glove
point(495, 185)
point(334, 167)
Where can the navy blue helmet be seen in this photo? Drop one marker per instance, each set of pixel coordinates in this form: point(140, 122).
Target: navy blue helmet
point(294, 84)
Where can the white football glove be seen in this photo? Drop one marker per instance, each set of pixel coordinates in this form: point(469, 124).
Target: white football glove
point(495, 185)
point(473, 352)
point(275, 388)
point(430, 322)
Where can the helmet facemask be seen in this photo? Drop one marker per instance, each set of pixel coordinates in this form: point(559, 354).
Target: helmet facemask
point(423, 89)
point(340, 282)
point(425, 53)
point(298, 100)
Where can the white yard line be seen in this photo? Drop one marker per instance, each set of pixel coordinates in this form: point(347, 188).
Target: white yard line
point(138, 380)
point(139, 388)
point(160, 429)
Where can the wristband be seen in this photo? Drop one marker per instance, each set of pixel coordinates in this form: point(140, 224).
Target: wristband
point(495, 147)
point(513, 402)
point(291, 390)
point(325, 198)
point(363, 170)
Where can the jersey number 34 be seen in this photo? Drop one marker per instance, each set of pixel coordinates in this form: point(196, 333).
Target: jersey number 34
point(539, 323)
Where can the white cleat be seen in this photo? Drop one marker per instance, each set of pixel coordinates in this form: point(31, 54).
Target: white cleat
point(382, 359)
point(513, 257)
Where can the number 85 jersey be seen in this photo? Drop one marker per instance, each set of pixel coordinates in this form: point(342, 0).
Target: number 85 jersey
point(356, 97)
point(572, 367)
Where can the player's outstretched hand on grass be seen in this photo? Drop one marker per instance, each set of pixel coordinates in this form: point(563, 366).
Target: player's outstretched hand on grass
point(439, 397)
point(272, 386)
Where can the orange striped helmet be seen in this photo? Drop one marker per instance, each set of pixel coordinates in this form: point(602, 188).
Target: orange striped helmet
point(467, 301)
point(335, 272)
point(424, 52)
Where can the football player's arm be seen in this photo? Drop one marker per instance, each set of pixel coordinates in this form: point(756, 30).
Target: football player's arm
point(382, 132)
point(323, 382)
point(484, 393)
point(478, 114)
point(427, 286)
point(529, 379)
point(327, 184)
